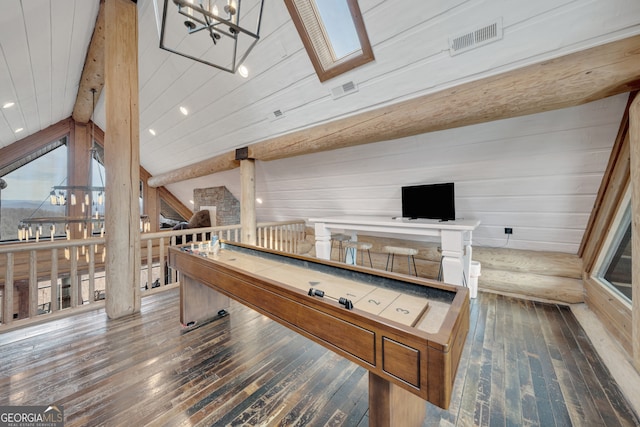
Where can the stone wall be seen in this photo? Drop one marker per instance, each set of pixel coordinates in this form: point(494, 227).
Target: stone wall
point(227, 206)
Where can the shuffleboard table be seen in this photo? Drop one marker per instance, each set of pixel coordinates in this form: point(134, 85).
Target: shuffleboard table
point(407, 332)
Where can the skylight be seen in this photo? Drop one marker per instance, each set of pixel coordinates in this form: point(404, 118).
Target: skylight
point(339, 27)
point(333, 34)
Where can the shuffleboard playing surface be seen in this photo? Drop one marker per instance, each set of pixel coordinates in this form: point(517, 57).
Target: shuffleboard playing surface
point(410, 310)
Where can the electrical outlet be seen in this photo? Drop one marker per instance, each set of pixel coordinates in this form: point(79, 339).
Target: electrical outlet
point(508, 230)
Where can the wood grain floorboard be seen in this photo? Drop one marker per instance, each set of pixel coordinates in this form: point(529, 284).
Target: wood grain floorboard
point(524, 364)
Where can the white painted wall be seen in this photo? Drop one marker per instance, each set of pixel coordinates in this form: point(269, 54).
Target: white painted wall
point(538, 174)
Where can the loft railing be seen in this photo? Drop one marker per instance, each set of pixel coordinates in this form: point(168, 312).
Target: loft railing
point(76, 268)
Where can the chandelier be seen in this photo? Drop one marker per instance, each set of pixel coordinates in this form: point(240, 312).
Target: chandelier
point(210, 31)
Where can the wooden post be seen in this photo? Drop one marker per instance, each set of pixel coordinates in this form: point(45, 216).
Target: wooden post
point(122, 159)
point(150, 201)
point(392, 406)
point(78, 172)
point(248, 200)
point(634, 133)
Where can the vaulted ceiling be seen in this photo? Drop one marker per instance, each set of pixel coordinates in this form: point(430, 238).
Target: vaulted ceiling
point(43, 45)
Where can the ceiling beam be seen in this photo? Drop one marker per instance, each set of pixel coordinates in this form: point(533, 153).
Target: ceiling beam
point(92, 73)
point(570, 80)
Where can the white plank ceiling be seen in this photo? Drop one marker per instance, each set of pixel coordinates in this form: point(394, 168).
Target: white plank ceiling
point(538, 174)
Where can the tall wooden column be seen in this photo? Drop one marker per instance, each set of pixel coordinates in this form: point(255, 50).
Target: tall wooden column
point(634, 139)
point(248, 200)
point(78, 170)
point(122, 159)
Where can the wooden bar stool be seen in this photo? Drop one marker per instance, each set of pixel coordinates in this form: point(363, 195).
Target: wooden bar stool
point(360, 246)
point(392, 251)
point(340, 238)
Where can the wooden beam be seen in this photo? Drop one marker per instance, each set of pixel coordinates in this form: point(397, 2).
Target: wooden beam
point(223, 162)
point(634, 131)
point(567, 81)
point(92, 73)
point(122, 159)
point(34, 142)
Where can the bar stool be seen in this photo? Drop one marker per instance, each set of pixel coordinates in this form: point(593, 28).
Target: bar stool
point(392, 251)
point(360, 246)
point(338, 237)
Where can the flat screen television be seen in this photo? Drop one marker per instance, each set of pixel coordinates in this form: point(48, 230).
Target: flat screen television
point(431, 201)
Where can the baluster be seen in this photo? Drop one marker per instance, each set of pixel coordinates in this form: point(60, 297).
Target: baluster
point(150, 263)
point(73, 276)
point(7, 295)
point(162, 262)
point(92, 273)
point(33, 283)
point(54, 281)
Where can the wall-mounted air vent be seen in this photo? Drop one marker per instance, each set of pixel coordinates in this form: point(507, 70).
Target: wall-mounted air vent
point(477, 37)
point(275, 115)
point(343, 90)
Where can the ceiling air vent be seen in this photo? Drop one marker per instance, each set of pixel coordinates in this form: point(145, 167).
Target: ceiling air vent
point(343, 90)
point(275, 115)
point(477, 37)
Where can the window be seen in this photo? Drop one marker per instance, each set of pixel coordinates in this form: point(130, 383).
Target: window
point(615, 266)
point(333, 34)
point(28, 186)
point(618, 274)
point(98, 177)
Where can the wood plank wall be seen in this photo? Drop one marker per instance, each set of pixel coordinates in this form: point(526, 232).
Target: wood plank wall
point(538, 174)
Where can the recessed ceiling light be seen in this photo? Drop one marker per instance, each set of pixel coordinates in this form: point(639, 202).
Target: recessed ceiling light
point(191, 201)
point(18, 130)
point(259, 200)
point(8, 104)
point(243, 71)
point(152, 132)
point(184, 111)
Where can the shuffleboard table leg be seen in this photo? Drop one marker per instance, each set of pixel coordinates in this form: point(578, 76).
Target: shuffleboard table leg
point(199, 303)
point(392, 406)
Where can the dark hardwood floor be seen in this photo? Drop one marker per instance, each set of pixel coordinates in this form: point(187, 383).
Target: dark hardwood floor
point(525, 364)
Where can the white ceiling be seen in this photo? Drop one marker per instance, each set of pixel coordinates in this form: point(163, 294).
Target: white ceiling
point(43, 44)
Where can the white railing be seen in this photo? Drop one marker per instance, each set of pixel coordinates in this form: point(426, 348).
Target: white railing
point(76, 267)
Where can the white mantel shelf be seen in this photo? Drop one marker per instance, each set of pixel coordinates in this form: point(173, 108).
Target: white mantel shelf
point(455, 237)
point(424, 227)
